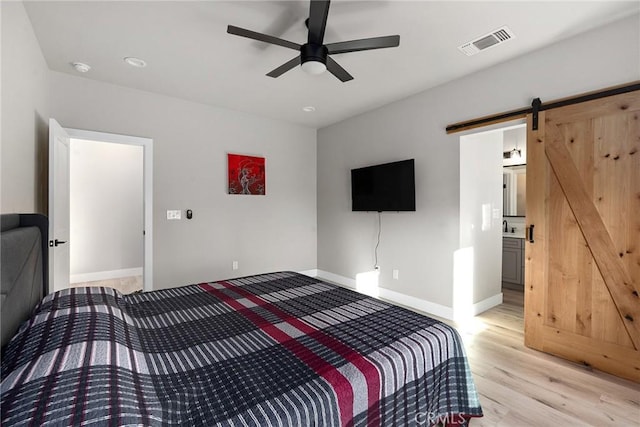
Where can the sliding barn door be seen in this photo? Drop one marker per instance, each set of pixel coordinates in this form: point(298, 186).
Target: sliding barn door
point(582, 271)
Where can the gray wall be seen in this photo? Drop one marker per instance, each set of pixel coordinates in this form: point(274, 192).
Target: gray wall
point(422, 244)
point(25, 115)
point(263, 233)
point(190, 144)
point(279, 230)
point(106, 207)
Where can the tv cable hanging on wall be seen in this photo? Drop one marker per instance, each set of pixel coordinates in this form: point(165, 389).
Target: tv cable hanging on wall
point(376, 266)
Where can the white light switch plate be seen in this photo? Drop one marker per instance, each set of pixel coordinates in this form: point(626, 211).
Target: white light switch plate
point(174, 214)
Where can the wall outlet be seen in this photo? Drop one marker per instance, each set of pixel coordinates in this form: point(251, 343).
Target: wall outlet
point(396, 274)
point(234, 265)
point(174, 214)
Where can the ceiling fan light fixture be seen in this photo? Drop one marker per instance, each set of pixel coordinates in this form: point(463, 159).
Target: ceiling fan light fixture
point(314, 55)
point(313, 67)
point(313, 58)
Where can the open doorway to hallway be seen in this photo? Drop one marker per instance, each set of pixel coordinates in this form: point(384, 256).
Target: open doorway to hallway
point(106, 215)
point(112, 178)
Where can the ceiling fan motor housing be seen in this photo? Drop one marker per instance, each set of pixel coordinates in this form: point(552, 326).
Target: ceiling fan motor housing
point(313, 52)
point(314, 55)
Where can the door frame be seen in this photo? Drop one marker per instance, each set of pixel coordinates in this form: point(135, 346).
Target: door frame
point(147, 188)
point(58, 137)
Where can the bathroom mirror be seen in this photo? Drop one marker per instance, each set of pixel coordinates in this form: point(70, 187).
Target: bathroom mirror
point(514, 190)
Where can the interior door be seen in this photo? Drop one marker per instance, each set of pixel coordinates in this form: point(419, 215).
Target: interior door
point(582, 270)
point(58, 207)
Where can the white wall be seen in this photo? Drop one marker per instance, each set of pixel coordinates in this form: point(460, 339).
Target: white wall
point(478, 262)
point(25, 114)
point(422, 244)
point(106, 208)
point(190, 145)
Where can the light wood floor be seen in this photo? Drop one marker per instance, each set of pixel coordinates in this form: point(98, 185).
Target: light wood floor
point(519, 386)
point(126, 285)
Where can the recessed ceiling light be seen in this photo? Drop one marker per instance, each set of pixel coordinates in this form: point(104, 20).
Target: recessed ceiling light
point(81, 67)
point(309, 109)
point(135, 62)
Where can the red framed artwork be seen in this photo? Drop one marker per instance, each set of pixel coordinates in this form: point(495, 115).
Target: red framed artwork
point(246, 174)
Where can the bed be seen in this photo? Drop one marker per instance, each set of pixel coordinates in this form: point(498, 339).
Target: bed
point(272, 349)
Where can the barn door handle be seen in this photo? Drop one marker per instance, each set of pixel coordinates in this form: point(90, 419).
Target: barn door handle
point(56, 242)
point(530, 233)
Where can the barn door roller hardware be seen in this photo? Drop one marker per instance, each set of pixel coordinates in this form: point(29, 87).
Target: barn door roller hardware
point(535, 109)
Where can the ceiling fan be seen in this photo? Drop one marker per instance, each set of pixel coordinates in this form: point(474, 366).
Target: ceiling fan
point(314, 55)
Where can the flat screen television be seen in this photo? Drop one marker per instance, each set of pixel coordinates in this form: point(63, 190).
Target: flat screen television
point(385, 187)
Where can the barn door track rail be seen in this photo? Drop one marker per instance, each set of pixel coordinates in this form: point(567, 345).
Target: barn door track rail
point(537, 106)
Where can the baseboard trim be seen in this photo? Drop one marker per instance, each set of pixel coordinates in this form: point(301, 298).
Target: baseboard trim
point(337, 279)
point(407, 300)
point(310, 273)
point(487, 304)
point(393, 296)
point(417, 303)
point(105, 275)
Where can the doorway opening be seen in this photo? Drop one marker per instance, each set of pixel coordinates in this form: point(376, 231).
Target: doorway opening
point(106, 215)
point(105, 207)
point(514, 180)
point(487, 230)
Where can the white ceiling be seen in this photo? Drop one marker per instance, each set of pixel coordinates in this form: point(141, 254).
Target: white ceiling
point(191, 56)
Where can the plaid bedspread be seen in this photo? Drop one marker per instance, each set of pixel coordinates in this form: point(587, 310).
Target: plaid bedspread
point(269, 350)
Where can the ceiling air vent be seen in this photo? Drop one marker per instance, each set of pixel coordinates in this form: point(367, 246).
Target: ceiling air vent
point(494, 38)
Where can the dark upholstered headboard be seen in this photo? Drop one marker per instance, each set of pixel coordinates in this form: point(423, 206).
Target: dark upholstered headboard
point(23, 268)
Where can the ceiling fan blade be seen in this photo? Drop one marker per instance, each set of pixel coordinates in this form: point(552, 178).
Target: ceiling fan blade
point(318, 12)
point(285, 67)
point(364, 44)
point(261, 37)
point(338, 71)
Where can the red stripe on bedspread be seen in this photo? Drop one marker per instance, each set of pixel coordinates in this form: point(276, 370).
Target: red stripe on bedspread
point(368, 369)
point(340, 384)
